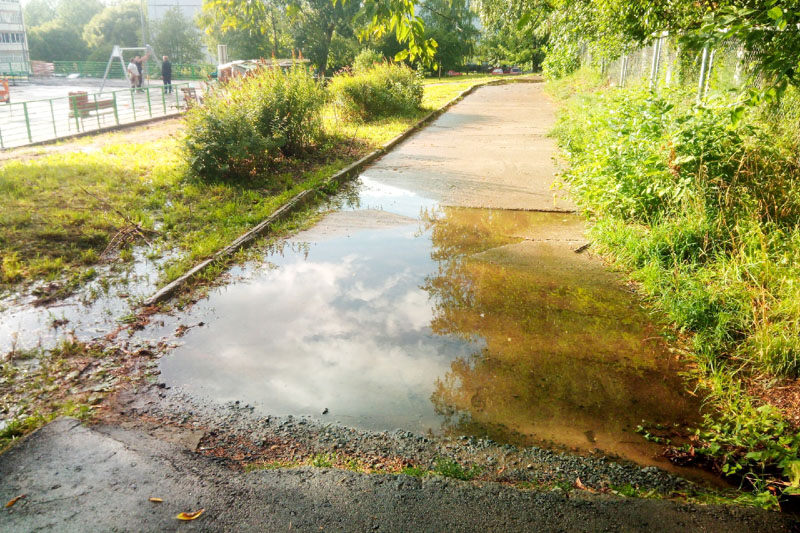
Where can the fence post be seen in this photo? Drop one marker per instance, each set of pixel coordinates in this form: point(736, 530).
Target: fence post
point(702, 83)
point(116, 111)
point(164, 98)
point(133, 104)
point(708, 71)
point(73, 105)
point(96, 111)
point(177, 100)
point(654, 68)
point(2, 146)
point(53, 118)
point(149, 106)
point(27, 121)
point(623, 70)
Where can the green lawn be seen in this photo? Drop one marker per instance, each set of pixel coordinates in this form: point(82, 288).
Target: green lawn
point(60, 212)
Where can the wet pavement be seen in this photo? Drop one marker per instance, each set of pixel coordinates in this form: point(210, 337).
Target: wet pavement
point(414, 306)
point(102, 479)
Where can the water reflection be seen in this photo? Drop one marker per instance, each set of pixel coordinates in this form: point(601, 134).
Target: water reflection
point(346, 328)
point(396, 313)
point(568, 358)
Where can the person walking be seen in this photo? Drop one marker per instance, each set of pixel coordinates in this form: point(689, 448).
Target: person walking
point(133, 73)
point(166, 74)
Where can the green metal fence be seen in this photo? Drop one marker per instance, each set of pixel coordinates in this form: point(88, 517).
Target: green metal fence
point(96, 69)
point(43, 120)
point(14, 71)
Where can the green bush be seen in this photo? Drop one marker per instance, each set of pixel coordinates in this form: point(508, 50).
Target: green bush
point(384, 90)
point(246, 125)
point(367, 59)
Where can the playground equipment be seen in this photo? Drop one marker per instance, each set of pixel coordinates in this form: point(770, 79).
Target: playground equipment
point(117, 53)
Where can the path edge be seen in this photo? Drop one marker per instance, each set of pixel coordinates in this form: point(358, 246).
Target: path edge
point(301, 199)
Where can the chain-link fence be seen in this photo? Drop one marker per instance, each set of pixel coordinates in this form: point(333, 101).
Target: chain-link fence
point(721, 66)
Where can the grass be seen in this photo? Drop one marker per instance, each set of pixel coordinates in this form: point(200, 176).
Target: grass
point(701, 207)
point(464, 78)
point(447, 467)
point(60, 212)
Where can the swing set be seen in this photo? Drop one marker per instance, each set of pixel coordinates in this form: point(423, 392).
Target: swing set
point(117, 53)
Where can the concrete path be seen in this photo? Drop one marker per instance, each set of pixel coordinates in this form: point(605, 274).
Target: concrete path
point(488, 151)
point(79, 479)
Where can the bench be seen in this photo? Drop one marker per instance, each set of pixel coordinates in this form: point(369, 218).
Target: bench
point(191, 96)
point(81, 107)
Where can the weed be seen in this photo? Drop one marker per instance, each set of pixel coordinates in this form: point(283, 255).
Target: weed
point(12, 269)
point(322, 460)
point(384, 89)
point(18, 427)
point(449, 468)
point(703, 211)
point(414, 471)
point(270, 465)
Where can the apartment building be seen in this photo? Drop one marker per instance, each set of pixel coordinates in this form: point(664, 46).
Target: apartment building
point(13, 40)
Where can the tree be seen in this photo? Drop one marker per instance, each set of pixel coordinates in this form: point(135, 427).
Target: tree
point(38, 12)
point(451, 24)
point(175, 36)
point(313, 25)
point(342, 52)
point(54, 41)
point(240, 43)
point(376, 18)
point(250, 29)
point(76, 14)
point(120, 24)
point(514, 32)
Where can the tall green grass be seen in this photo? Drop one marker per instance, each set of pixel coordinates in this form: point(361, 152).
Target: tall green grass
point(701, 205)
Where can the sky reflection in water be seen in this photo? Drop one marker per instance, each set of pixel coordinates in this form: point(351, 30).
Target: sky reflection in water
point(456, 320)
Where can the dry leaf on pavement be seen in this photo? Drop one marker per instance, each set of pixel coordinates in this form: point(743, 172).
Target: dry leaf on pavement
point(190, 516)
point(12, 501)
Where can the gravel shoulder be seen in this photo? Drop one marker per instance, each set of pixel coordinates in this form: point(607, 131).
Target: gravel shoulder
point(101, 479)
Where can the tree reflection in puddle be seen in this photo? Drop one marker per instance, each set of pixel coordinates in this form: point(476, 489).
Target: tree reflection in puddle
point(569, 359)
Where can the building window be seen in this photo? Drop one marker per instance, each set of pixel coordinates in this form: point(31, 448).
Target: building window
point(10, 17)
point(12, 37)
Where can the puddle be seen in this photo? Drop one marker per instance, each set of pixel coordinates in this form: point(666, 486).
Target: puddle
point(397, 313)
point(96, 309)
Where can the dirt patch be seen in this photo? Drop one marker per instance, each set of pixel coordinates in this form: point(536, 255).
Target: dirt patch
point(783, 395)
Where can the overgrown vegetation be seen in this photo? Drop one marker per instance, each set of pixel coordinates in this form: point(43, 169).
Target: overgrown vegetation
point(246, 125)
point(384, 89)
point(701, 203)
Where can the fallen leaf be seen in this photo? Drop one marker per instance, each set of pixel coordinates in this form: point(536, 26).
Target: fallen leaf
point(190, 516)
point(579, 484)
point(12, 501)
point(156, 500)
point(501, 470)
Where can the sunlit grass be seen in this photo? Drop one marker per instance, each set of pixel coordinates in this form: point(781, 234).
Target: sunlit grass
point(59, 212)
